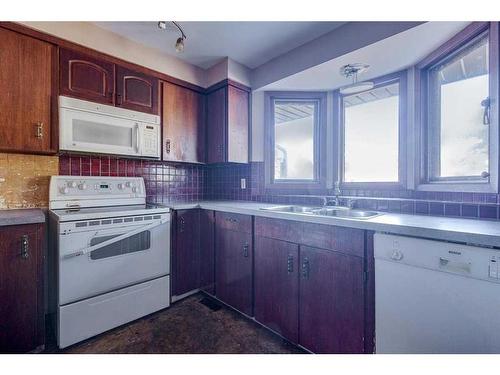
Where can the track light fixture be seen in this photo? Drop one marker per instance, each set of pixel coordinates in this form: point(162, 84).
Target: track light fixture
point(179, 44)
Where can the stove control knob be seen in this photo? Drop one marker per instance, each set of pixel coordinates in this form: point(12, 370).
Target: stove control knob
point(72, 184)
point(121, 186)
point(134, 189)
point(82, 186)
point(64, 190)
point(128, 184)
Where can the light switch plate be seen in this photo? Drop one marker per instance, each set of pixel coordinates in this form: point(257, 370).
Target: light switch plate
point(243, 183)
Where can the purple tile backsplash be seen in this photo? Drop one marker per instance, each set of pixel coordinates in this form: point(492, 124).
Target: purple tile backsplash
point(223, 182)
point(165, 182)
point(170, 182)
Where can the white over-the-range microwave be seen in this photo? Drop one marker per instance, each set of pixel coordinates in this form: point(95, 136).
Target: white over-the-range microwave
point(98, 128)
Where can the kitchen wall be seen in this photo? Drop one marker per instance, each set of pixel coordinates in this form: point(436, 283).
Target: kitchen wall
point(24, 180)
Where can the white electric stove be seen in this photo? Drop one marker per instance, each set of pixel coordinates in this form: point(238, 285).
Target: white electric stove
point(113, 254)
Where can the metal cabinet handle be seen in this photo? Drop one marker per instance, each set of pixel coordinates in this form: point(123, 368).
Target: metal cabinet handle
point(39, 130)
point(305, 268)
point(25, 247)
point(231, 220)
point(118, 98)
point(219, 149)
point(167, 146)
point(289, 264)
point(245, 250)
point(183, 224)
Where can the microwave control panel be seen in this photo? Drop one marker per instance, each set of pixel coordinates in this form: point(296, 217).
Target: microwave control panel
point(151, 140)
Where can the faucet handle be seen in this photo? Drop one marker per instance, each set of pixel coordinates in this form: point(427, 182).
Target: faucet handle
point(351, 203)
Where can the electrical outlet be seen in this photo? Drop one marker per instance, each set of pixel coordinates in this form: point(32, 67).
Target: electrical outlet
point(243, 183)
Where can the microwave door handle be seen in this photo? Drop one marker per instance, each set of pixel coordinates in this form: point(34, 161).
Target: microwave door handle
point(89, 249)
point(137, 143)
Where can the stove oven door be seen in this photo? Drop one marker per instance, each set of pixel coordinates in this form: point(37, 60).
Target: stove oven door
point(100, 261)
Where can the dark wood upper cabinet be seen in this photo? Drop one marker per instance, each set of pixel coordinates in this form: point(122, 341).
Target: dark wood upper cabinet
point(28, 100)
point(276, 286)
point(237, 124)
point(234, 262)
point(331, 298)
point(86, 77)
point(136, 91)
point(21, 288)
point(227, 124)
point(216, 126)
point(183, 116)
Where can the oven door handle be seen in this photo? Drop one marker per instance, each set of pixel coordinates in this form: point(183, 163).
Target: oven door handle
point(89, 249)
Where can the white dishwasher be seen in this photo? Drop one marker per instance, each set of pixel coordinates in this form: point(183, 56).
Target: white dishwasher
point(435, 297)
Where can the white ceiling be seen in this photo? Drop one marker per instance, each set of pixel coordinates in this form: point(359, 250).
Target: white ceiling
point(386, 56)
point(249, 43)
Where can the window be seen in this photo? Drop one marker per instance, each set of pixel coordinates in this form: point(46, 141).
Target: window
point(370, 127)
point(295, 122)
point(458, 125)
point(458, 88)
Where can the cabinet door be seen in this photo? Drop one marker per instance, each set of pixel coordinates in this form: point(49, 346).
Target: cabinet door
point(186, 255)
point(136, 91)
point(85, 77)
point(238, 120)
point(26, 100)
point(183, 124)
point(207, 251)
point(216, 126)
point(21, 293)
point(331, 301)
point(277, 286)
point(233, 269)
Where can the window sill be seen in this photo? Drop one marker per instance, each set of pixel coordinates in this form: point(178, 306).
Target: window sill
point(465, 187)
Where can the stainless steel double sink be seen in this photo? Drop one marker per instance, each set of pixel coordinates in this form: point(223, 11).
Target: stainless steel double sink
point(332, 211)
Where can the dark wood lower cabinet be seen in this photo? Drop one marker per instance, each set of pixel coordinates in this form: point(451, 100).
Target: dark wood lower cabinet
point(207, 251)
point(320, 297)
point(186, 255)
point(193, 251)
point(277, 286)
point(233, 268)
point(331, 312)
point(21, 288)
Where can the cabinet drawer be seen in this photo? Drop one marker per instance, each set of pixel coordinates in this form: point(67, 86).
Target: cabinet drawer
point(345, 240)
point(279, 229)
point(237, 222)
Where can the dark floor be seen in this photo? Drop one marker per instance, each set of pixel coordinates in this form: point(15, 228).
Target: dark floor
point(196, 324)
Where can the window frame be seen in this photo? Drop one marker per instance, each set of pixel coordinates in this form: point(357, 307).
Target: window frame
point(400, 77)
point(318, 184)
point(446, 51)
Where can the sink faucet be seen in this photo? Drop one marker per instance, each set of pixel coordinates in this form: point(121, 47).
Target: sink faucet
point(335, 201)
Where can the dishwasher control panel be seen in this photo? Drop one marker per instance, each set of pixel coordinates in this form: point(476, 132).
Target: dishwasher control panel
point(460, 259)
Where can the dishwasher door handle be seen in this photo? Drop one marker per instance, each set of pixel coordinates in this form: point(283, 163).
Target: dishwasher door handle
point(449, 265)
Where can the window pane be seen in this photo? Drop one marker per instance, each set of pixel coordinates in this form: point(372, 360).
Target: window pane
point(462, 84)
point(371, 135)
point(294, 140)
